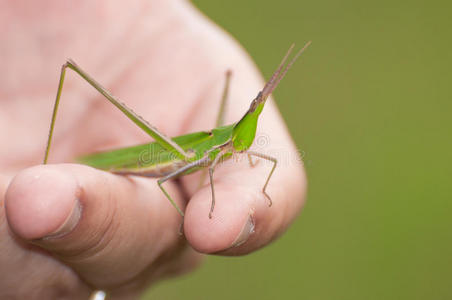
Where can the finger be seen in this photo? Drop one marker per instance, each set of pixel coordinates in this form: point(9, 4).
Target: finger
point(242, 221)
point(95, 221)
point(46, 278)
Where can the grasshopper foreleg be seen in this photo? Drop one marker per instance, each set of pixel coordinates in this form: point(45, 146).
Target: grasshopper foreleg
point(266, 157)
point(250, 161)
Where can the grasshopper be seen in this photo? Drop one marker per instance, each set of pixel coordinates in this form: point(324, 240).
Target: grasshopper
point(169, 158)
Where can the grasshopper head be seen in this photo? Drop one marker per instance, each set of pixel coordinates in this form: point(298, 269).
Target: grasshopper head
point(244, 131)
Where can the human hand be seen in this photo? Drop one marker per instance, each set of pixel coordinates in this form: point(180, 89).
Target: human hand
point(74, 228)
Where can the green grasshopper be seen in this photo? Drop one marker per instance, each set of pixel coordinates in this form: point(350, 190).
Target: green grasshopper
point(168, 158)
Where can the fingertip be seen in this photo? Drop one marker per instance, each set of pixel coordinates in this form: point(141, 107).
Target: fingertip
point(232, 212)
point(39, 200)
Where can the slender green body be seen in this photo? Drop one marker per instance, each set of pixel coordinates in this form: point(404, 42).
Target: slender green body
point(153, 160)
point(168, 158)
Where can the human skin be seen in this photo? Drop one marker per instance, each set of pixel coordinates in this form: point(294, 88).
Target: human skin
point(66, 229)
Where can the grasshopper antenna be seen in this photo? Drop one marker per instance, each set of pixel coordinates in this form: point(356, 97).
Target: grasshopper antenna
point(278, 75)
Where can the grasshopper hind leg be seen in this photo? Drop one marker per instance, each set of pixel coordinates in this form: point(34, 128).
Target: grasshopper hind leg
point(174, 175)
point(220, 117)
point(224, 100)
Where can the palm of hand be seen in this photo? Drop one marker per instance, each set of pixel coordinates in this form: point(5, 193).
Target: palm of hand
point(175, 81)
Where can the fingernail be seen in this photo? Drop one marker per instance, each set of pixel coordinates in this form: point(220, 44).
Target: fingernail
point(245, 233)
point(68, 225)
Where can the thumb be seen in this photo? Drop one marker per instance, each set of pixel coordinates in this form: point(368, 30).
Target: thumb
point(94, 221)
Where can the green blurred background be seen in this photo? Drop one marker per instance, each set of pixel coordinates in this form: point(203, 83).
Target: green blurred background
point(370, 105)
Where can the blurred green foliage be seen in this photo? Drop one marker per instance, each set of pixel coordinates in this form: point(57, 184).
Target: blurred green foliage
point(370, 105)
